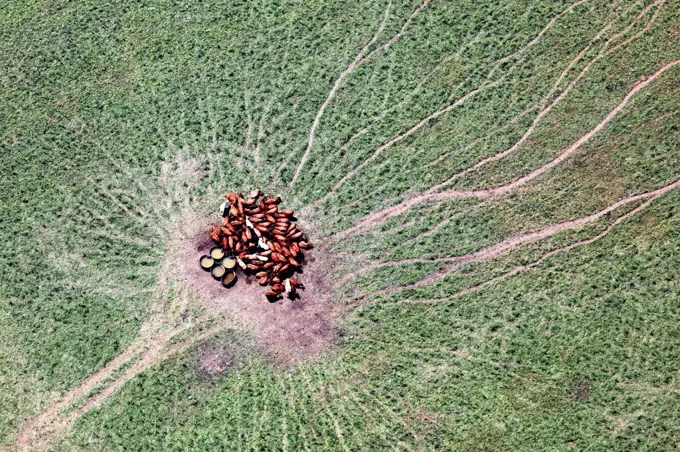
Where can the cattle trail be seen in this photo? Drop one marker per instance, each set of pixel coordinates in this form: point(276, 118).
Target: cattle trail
point(513, 242)
point(520, 268)
point(361, 58)
point(331, 94)
point(38, 431)
point(379, 217)
point(486, 85)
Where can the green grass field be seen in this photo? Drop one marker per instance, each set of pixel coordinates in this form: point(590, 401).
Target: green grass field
point(495, 186)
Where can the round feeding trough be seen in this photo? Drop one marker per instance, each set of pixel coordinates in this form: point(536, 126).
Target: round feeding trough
point(218, 271)
point(258, 238)
point(217, 253)
point(229, 263)
point(207, 263)
point(229, 279)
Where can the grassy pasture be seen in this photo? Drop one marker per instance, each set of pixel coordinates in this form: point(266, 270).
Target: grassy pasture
point(123, 122)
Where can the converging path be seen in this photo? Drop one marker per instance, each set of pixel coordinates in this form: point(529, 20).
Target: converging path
point(376, 218)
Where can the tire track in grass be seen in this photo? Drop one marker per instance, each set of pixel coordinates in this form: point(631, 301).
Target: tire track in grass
point(361, 58)
point(512, 243)
point(379, 217)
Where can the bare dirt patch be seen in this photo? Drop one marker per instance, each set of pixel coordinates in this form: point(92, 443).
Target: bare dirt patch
point(289, 330)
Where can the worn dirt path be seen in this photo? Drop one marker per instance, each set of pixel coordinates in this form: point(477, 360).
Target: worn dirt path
point(521, 268)
point(513, 242)
point(361, 58)
point(38, 432)
point(379, 217)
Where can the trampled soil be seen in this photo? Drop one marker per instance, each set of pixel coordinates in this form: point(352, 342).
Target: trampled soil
point(288, 330)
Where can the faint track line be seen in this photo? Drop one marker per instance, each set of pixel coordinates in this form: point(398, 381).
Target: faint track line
point(336, 424)
point(331, 94)
point(466, 356)
point(249, 121)
point(487, 84)
point(260, 132)
point(429, 232)
point(380, 216)
point(291, 399)
point(38, 431)
point(151, 358)
point(444, 156)
point(361, 58)
point(285, 446)
point(396, 107)
point(453, 263)
point(362, 407)
point(521, 268)
point(648, 389)
point(545, 110)
point(306, 379)
point(385, 408)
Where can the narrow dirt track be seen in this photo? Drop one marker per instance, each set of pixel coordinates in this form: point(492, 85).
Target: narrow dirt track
point(37, 432)
point(544, 107)
point(361, 58)
point(521, 268)
point(148, 360)
point(514, 242)
point(379, 217)
point(486, 85)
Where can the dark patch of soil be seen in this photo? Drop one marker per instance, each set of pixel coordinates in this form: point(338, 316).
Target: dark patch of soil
point(579, 389)
point(289, 330)
point(221, 354)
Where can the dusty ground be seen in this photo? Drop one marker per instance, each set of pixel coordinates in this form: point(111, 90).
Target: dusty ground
point(288, 330)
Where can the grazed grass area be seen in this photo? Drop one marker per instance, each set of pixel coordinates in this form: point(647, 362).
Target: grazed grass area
point(385, 124)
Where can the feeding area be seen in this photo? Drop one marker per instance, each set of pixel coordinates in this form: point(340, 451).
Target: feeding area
point(257, 238)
